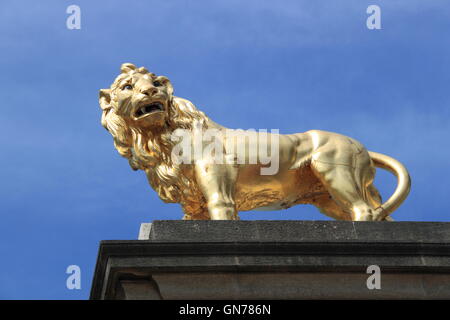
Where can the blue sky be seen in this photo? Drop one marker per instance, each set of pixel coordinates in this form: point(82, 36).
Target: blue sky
point(293, 65)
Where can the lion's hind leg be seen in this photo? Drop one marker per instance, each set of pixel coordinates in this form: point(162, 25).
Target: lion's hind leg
point(346, 189)
point(330, 208)
point(373, 196)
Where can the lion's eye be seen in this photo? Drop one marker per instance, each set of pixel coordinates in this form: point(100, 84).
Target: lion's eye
point(157, 84)
point(127, 87)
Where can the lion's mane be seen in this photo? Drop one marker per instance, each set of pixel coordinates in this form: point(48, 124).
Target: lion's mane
point(150, 150)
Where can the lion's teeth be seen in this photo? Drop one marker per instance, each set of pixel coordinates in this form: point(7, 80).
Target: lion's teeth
point(148, 109)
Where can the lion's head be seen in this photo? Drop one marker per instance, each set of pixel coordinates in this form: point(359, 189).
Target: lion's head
point(140, 112)
point(139, 97)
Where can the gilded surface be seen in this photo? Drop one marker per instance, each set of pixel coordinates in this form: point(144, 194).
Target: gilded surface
point(331, 171)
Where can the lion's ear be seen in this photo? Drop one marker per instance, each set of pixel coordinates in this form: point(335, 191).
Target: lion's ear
point(166, 82)
point(105, 98)
point(127, 67)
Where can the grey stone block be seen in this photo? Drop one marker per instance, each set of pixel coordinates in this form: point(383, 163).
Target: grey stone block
point(144, 231)
point(276, 260)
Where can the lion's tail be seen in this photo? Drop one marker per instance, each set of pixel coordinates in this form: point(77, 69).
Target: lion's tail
point(403, 182)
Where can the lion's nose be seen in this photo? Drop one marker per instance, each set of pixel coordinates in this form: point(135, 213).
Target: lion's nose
point(149, 90)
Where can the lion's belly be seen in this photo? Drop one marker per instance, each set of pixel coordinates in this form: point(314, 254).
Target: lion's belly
point(280, 191)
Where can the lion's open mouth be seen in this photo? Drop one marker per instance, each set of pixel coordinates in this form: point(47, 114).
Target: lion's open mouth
point(149, 108)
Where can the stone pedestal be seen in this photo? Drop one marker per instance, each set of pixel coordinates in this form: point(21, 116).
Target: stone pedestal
point(276, 260)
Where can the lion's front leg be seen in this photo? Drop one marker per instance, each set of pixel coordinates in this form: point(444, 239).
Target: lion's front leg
point(217, 183)
point(195, 210)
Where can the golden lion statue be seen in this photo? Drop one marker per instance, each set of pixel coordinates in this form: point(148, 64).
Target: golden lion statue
point(331, 171)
